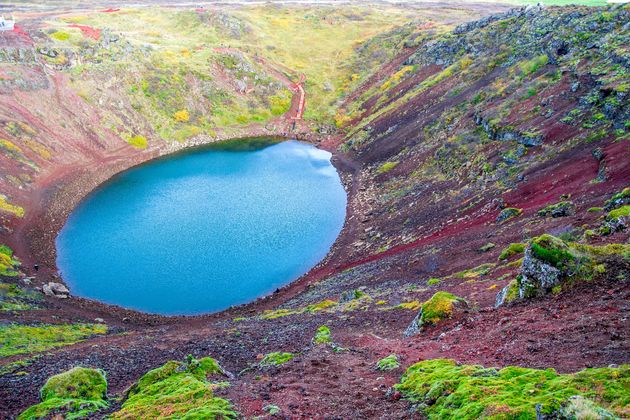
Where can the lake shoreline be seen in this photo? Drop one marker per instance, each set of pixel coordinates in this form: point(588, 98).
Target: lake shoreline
point(60, 191)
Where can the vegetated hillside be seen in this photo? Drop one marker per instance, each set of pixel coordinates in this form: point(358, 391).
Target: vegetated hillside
point(483, 269)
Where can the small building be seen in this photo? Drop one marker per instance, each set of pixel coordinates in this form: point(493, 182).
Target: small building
point(6, 25)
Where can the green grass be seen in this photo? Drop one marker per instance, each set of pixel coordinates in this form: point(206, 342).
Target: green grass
point(552, 250)
point(177, 390)
point(19, 339)
point(450, 390)
point(16, 298)
point(528, 67)
point(77, 393)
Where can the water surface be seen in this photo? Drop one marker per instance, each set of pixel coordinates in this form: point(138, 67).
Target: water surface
point(205, 230)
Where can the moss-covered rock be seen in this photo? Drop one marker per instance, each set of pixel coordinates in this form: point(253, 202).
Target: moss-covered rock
point(444, 389)
point(74, 394)
point(441, 306)
point(508, 294)
point(620, 199)
point(508, 213)
point(616, 220)
point(561, 209)
point(487, 247)
point(177, 390)
point(551, 264)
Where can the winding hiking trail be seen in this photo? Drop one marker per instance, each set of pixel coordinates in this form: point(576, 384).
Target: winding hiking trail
point(278, 72)
point(298, 88)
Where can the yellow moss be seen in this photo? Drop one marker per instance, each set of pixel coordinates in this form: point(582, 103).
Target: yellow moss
point(10, 208)
point(182, 116)
point(7, 145)
point(413, 305)
point(38, 148)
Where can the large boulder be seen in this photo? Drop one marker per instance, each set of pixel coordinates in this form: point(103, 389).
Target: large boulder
point(442, 305)
point(57, 290)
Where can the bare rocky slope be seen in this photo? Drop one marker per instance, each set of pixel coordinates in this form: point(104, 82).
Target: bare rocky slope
point(488, 172)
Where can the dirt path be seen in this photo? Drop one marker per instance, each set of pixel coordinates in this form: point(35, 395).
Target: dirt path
point(279, 72)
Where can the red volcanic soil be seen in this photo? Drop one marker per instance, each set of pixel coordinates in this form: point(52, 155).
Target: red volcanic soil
point(87, 31)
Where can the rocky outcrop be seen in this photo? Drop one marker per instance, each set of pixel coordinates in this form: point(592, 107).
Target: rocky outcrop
point(508, 133)
point(561, 209)
point(551, 264)
point(532, 31)
point(57, 290)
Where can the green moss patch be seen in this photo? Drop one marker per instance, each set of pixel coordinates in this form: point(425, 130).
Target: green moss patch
point(623, 211)
point(322, 335)
point(386, 167)
point(448, 390)
point(479, 271)
point(137, 141)
point(581, 260)
point(74, 394)
point(18, 339)
point(275, 359)
point(433, 280)
point(310, 309)
point(177, 390)
point(8, 263)
point(390, 362)
point(512, 249)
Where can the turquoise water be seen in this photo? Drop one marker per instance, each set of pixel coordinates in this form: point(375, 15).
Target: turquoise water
point(201, 231)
